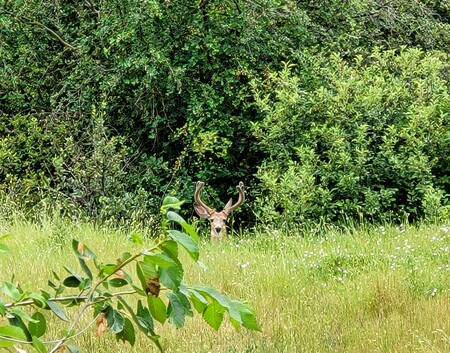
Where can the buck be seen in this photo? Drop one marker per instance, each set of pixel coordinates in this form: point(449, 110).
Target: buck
point(216, 219)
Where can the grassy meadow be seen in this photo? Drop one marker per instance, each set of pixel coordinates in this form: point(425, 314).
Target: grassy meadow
point(373, 289)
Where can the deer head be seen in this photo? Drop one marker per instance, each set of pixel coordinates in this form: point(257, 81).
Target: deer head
point(217, 219)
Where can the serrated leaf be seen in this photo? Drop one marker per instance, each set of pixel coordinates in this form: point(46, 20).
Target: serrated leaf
point(157, 309)
point(144, 318)
point(249, 320)
point(198, 300)
point(221, 298)
point(38, 327)
point(238, 311)
point(56, 310)
point(171, 277)
point(127, 334)
point(213, 314)
point(145, 271)
point(186, 241)
point(160, 259)
point(175, 311)
point(175, 217)
point(170, 248)
point(115, 320)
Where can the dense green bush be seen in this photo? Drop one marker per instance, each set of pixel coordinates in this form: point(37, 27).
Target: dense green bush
point(370, 143)
point(160, 90)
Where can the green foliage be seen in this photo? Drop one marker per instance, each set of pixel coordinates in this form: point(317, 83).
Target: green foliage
point(106, 106)
point(368, 143)
point(158, 270)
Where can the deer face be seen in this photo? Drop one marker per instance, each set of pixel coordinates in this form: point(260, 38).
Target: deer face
point(216, 219)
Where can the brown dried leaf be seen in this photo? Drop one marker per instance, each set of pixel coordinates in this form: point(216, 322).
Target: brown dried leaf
point(101, 323)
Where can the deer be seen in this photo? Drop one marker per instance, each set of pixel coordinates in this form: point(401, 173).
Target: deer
point(217, 219)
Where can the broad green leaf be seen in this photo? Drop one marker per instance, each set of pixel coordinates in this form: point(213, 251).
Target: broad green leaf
point(160, 259)
point(175, 311)
point(171, 277)
point(171, 202)
point(170, 248)
point(238, 311)
point(4, 236)
point(125, 256)
point(213, 314)
point(197, 300)
point(115, 320)
point(221, 298)
point(18, 322)
point(186, 241)
point(38, 327)
point(11, 290)
point(18, 312)
point(108, 269)
point(4, 248)
point(127, 334)
point(72, 281)
point(175, 217)
point(56, 310)
point(72, 274)
point(117, 282)
point(145, 271)
point(249, 320)
point(157, 308)
point(38, 345)
point(144, 318)
point(135, 238)
point(4, 343)
point(13, 332)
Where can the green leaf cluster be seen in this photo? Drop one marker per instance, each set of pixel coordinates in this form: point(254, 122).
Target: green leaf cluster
point(105, 287)
point(368, 143)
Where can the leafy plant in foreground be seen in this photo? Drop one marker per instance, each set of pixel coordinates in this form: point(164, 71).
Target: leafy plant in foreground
point(106, 293)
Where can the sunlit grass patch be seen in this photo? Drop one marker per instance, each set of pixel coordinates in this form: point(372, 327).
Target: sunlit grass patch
point(380, 289)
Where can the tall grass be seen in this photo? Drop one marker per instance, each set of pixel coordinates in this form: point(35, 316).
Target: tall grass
point(360, 290)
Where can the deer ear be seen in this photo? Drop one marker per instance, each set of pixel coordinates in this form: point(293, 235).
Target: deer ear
point(228, 205)
point(201, 211)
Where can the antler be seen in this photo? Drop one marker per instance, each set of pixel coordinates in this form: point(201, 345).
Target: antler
point(198, 189)
point(229, 207)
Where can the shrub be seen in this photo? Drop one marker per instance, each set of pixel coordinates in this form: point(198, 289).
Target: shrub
point(368, 143)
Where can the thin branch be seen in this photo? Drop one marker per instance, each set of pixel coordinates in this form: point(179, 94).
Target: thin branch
point(53, 33)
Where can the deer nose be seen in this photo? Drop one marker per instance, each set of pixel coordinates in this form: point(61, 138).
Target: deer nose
point(218, 229)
